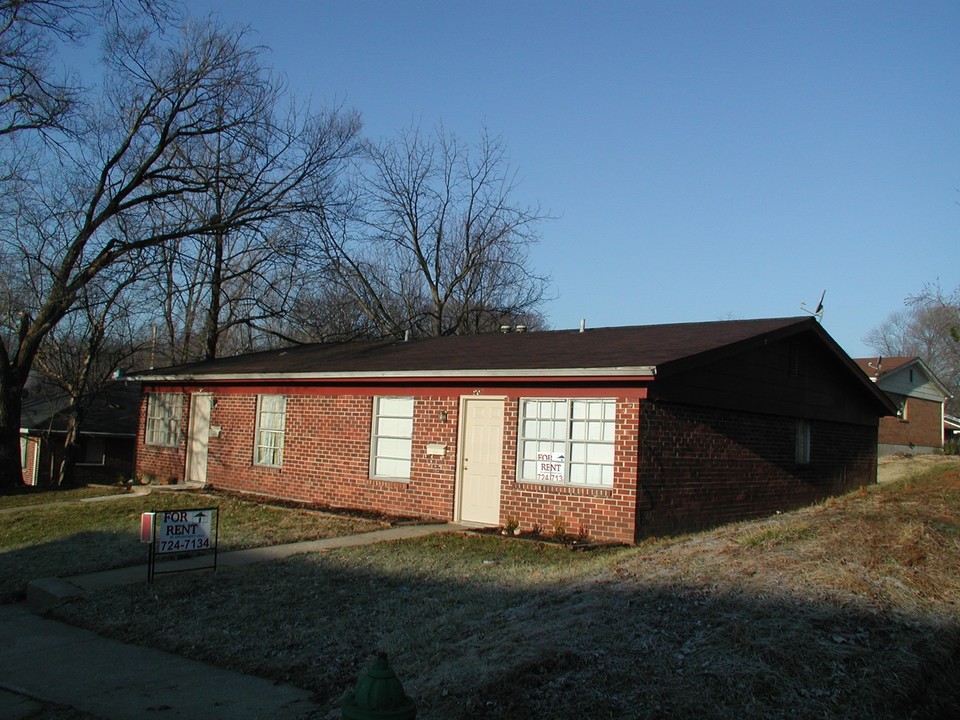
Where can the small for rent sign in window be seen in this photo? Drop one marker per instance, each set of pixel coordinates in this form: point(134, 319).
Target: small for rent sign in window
point(551, 467)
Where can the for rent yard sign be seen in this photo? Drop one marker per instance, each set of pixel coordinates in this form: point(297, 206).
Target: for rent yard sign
point(184, 534)
point(185, 530)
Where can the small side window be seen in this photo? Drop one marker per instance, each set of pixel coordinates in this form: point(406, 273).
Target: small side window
point(271, 425)
point(92, 451)
point(803, 442)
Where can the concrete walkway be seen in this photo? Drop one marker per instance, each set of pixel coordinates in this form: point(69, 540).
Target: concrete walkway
point(43, 661)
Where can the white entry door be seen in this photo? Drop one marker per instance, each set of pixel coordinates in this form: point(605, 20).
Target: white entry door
point(482, 461)
point(200, 407)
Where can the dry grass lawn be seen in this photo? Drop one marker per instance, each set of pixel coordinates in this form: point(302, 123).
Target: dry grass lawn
point(54, 536)
point(849, 609)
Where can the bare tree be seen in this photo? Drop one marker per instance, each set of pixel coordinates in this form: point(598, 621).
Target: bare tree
point(125, 186)
point(438, 245)
point(232, 279)
point(81, 354)
point(33, 95)
point(928, 327)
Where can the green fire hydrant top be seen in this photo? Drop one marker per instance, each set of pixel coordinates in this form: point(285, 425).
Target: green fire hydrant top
point(378, 695)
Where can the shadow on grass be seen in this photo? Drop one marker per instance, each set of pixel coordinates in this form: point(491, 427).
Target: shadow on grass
point(76, 554)
point(484, 631)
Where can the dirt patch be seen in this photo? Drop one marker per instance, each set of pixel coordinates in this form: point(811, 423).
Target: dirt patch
point(899, 466)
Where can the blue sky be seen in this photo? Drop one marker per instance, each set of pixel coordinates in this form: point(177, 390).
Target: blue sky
point(703, 160)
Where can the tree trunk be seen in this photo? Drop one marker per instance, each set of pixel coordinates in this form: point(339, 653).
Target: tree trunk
point(211, 330)
point(11, 389)
point(65, 474)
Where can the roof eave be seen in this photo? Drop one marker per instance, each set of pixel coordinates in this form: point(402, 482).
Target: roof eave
point(647, 372)
point(925, 369)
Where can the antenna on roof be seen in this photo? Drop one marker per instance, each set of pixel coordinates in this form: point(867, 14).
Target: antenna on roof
point(818, 313)
point(876, 368)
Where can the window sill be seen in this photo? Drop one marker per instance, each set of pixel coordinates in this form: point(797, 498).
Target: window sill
point(565, 488)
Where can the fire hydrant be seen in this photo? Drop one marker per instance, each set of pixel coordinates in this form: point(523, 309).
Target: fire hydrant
point(378, 695)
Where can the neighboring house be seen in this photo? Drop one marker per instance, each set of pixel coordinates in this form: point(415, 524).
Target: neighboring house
point(617, 433)
point(107, 436)
point(951, 432)
point(919, 397)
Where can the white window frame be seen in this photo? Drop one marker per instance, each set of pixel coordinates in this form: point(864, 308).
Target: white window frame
point(582, 429)
point(270, 434)
point(903, 411)
point(391, 438)
point(802, 449)
point(164, 414)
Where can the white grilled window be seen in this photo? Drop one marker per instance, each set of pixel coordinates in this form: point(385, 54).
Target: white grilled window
point(164, 411)
point(567, 442)
point(392, 438)
point(271, 422)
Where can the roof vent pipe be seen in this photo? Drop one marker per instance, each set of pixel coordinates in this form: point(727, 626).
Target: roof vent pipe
point(583, 324)
point(406, 335)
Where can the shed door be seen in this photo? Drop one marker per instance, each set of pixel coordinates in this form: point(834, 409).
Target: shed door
point(482, 461)
point(200, 408)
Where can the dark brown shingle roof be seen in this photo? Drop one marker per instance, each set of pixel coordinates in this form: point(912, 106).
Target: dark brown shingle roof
point(637, 347)
point(113, 410)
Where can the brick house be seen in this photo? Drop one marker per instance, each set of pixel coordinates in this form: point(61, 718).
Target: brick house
point(619, 433)
point(107, 436)
point(918, 425)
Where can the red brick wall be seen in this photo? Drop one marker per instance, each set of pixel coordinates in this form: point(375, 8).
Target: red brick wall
point(922, 428)
point(31, 470)
point(162, 464)
point(703, 467)
point(697, 467)
point(327, 455)
point(600, 513)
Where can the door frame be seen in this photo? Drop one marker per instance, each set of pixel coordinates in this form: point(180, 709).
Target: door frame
point(194, 397)
point(461, 446)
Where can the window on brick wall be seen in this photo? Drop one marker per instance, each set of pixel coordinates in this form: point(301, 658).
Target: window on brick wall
point(392, 438)
point(567, 442)
point(271, 425)
point(92, 451)
point(163, 418)
point(803, 442)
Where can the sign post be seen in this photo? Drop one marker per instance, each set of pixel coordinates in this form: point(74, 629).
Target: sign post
point(180, 534)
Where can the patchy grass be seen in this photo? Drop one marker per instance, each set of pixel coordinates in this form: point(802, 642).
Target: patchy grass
point(776, 533)
point(82, 537)
point(850, 609)
point(29, 496)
